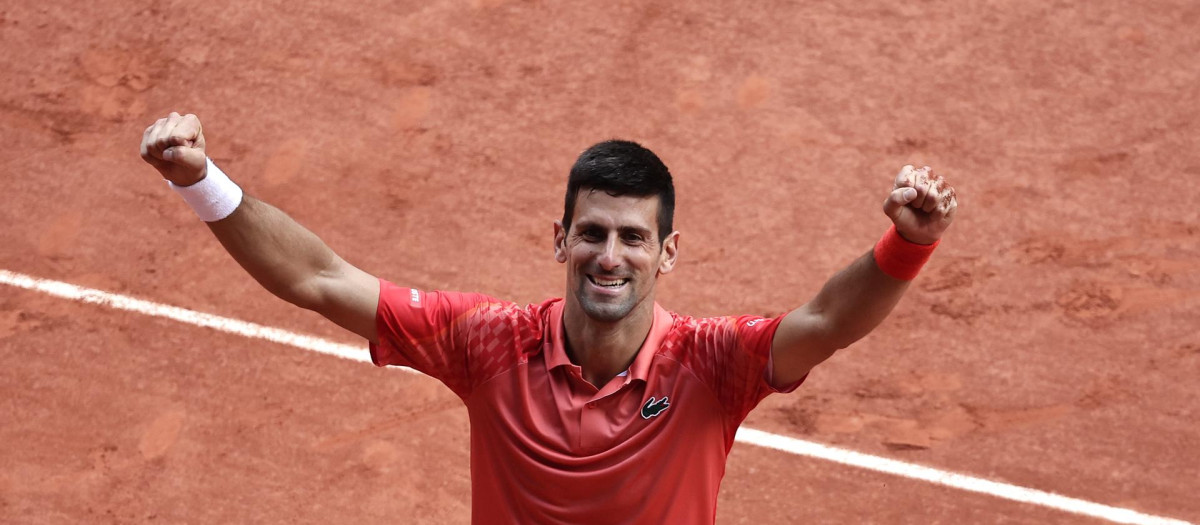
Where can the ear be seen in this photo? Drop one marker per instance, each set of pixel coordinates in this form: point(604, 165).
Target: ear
point(560, 242)
point(670, 253)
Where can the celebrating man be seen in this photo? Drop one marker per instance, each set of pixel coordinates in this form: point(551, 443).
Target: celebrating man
point(599, 407)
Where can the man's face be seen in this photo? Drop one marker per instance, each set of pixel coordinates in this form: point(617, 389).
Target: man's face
point(612, 253)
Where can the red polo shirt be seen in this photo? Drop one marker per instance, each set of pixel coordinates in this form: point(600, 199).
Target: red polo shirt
point(549, 447)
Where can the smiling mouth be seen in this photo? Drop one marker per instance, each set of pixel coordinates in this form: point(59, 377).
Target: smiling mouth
point(611, 284)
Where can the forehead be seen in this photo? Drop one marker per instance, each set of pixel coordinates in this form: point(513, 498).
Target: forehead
point(595, 207)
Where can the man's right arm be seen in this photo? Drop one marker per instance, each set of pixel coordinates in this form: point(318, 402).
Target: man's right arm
point(283, 256)
point(295, 265)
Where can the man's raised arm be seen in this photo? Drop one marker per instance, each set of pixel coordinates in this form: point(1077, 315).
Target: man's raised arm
point(284, 257)
point(855, 300)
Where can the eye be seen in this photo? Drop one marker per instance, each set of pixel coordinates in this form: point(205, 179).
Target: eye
point(633, 238)
point(592, 235)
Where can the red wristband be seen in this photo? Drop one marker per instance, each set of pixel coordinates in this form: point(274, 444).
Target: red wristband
point(900, 258)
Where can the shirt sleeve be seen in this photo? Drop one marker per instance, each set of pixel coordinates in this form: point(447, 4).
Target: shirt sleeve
point(426, 331)
point(740, 351)
point(755, 337)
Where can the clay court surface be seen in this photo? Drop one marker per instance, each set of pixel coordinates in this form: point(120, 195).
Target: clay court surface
point(1051, 343)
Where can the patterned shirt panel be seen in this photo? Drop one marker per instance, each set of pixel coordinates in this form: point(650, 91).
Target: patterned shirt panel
point(731, 355)
point(461, 339)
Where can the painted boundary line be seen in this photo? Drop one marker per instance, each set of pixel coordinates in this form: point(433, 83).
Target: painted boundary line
point(745, 435)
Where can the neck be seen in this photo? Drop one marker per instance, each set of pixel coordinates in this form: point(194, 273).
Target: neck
point(603, 350)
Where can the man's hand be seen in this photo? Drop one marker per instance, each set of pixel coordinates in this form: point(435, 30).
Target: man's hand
point(921, 205)
point(175, 147)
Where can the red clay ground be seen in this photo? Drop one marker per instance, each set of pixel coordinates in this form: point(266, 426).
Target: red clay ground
point(1051, 343)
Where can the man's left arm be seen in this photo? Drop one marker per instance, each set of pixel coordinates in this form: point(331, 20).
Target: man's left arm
point(855, 300)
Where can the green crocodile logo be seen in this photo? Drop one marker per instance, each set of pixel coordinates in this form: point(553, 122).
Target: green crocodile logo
point(653, 408)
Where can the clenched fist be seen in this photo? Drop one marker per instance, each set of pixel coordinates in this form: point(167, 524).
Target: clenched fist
point(921, 205)
point(175, 147)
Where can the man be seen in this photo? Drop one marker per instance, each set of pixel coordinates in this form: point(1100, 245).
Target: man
point(600, 407)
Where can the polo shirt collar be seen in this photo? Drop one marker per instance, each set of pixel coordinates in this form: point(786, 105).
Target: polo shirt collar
point(556, 351)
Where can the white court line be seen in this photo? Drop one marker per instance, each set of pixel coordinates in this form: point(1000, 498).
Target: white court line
point(745, 435)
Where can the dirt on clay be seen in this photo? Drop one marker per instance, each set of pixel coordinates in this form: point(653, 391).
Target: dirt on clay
point(1050, 343)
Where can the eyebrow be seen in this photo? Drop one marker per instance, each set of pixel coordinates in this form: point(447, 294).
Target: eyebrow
point(583, 225)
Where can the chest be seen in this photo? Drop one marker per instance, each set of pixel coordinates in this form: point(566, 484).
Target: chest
point(557, 414)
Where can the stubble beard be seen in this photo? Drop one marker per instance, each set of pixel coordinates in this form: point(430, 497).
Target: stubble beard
point(605, 311)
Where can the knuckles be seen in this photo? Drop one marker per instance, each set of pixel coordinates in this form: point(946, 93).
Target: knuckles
point(935, 195)
point(157, 138)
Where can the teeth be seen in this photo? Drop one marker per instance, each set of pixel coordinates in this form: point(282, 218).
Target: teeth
point(602, 282)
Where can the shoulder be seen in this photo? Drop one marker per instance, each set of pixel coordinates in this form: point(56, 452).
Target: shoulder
point(500, 335)
point(692, 337)
point(492, 312)
point(687, 333)
point(493, 320)
point(460, 311)
point(686, 326)
point(534, 317)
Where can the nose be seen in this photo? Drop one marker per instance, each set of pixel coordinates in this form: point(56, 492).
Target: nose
point(609, 257)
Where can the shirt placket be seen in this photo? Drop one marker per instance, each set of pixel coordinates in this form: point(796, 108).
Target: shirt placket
point(595, 419)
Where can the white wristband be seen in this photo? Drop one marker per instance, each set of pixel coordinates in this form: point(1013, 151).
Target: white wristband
point(214, 197)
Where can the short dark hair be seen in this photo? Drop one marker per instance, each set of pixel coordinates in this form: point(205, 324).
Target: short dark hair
point(621, 167)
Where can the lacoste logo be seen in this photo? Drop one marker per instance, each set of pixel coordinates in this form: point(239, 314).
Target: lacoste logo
point(653, 408)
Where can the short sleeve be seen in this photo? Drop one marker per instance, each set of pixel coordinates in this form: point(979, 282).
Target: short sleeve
point(426, 331)
point(755, 337)
point(733, 355)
